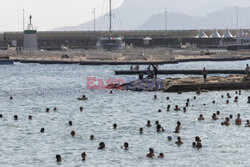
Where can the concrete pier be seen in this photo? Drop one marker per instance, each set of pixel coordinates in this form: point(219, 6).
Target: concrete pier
point(183, 71)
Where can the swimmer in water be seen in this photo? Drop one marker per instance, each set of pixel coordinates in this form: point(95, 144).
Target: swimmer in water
point(228, 95)
point(114, 126)
point(247, 123)
point(141, 130)
point(231, 116)
point(177, 108)
point(158, 128)
point(111, 92)
point(55, 108)
point(194, 97)
point(184, 109)
point(194, 145)
point(248, 98)
point(70, 123)
point(167, 98)
point(236, 99)
point(159, 110)
point(30, 117)
point(83, 98)
point(83, 155)
point(151, 153)
point(15, 117)
point(227, 121)
point(125, 146)
point(47, 109)
point(179, 142)
point(187, 104)
point(201, 118)
point(227, 101)
point(168, 108)
point(161, 155)
point(217, 112)
point(42, 130)
point(148, 123)
point(214, 117)
point(92, 137)
point(58, 158)
point(169, 138)
point(157, 122)
point(213, 102)
point(238, 120)
point(73, 133)
point(81, 108)
point(101, 146)
point(197, 139)
point(1, 115)
point(155, 97)
point(222, 96)
point(178, 124)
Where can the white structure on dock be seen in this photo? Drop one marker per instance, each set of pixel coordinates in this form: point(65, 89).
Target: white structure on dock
point(202, 34)
point(227, 34)
point(30, 37)
point(215, 34)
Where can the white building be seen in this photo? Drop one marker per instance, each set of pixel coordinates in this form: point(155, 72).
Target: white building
point(30, 37)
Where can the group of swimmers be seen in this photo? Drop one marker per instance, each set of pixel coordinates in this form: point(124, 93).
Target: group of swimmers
point(197, 144)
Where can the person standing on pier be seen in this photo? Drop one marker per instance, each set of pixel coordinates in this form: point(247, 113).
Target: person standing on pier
point(247, 69)
point(204, 73)
point(155, 71)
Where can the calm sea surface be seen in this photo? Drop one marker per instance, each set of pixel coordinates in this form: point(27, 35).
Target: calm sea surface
point(35, 87)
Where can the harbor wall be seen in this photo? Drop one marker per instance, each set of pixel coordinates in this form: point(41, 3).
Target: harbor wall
point(53, 40)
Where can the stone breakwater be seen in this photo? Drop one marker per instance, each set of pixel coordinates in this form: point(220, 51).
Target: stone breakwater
point(232, 82)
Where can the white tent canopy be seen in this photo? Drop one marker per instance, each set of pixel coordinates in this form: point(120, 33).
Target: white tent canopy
point(227, 34)
point(215, 34)
point(202, 34)
point(240, 33)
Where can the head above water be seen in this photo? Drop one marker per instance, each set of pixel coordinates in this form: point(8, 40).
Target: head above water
point(125, 145)
point(70, 123)
point(15, 117)
point(42, 130)
point(83, 155)
point(114, 125)
point(58, 158)
point(73, 133)
point(101, 146)
point(92, 137)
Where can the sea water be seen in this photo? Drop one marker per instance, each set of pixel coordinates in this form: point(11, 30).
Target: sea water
point(35, 87)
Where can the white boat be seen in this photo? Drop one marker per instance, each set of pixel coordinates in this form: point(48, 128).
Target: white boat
point(110, 42)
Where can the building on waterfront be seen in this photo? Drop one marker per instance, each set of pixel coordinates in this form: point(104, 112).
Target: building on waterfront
point(30, 37)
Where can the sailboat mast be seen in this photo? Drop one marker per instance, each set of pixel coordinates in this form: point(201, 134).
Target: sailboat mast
point(110, 16)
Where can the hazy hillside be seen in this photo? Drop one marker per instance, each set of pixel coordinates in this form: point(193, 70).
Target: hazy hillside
point(149, 15)
point(221, 19)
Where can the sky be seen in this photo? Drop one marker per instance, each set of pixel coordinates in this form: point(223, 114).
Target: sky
point(50, 14)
